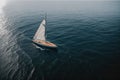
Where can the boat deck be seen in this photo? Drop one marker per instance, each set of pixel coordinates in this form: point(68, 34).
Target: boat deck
point(46, 43)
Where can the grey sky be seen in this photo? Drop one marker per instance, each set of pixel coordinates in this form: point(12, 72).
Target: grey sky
point(64, 0)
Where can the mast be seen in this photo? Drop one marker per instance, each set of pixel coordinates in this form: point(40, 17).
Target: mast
point(45, 17)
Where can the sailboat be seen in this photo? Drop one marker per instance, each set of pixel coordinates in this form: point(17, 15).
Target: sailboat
point(40, 37)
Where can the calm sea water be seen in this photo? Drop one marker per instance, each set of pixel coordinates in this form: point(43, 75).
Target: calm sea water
point(87, 35)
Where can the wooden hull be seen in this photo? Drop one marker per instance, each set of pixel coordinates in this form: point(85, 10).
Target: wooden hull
point(45, 45)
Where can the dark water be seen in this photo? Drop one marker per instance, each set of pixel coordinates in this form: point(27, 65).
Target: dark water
point(87, 35)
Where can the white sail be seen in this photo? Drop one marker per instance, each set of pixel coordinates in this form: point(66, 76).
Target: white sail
point(40, 34)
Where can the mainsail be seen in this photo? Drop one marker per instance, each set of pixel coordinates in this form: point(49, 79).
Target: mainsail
point(40, 34)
